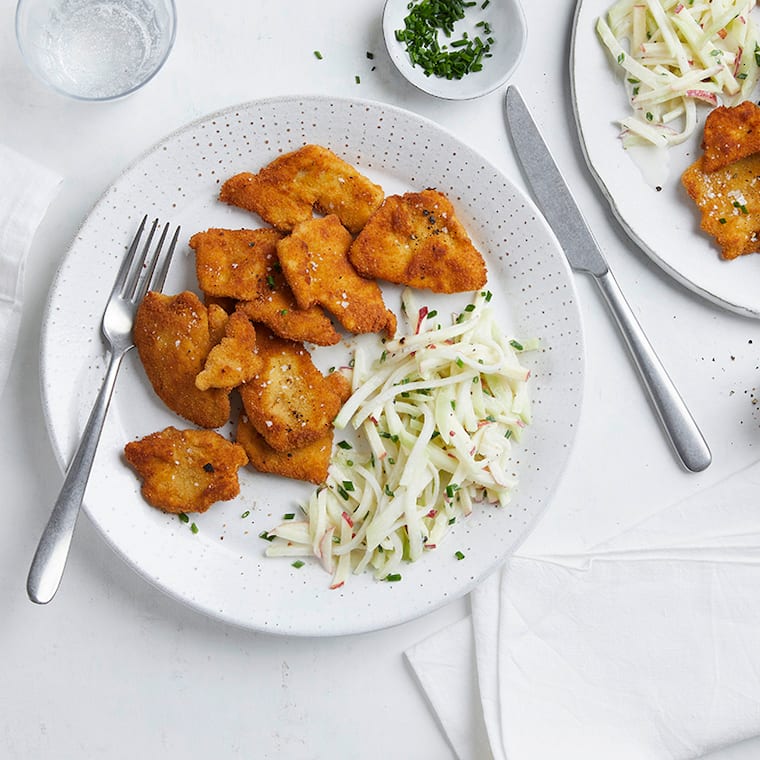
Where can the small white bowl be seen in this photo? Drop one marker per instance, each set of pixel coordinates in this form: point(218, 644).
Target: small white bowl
point(509, 31)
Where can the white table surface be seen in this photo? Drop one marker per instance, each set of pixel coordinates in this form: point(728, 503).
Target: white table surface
point(112, 667)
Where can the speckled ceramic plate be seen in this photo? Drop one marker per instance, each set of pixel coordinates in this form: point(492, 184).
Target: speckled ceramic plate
point(645, 193)
point(221, 570)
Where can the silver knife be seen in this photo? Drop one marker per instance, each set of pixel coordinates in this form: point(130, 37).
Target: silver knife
point(583, 253)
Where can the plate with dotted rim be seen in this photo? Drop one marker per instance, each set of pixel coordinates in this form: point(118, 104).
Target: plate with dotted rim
point(221, 569)
point(645, 193)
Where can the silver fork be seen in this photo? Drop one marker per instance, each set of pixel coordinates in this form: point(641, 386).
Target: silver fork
point(143, 269)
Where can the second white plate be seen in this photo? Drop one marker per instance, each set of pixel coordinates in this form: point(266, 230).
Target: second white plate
point(663, 222)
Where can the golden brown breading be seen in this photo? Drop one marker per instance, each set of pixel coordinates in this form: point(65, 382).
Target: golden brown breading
point(729, 201)
point(217, 321)
point(234, 359)
point(308, 463)
point(280, 313)
point(172, 336)
point(286, 191)
point(186, 470)
point(314, 260)
point(340, 384)
point(415, 239)
point(236, 264)
point(289, 402)
point(242, 264)
point(730, 134)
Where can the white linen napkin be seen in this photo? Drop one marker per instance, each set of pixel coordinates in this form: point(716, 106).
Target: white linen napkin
point(646, 648)
point(25, 193)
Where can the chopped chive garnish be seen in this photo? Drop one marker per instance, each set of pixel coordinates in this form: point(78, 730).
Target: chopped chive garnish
point(298, 564)
point(266, 536)
point(358, 79)
point(469, 307)
point(344, 444)
point(459, 555)
point(420, 37)
point(318, 55)
point(348, 485)
point(183, 517)
point(245, 514)
point(516, 345)
point(342, 491)
point(371, 56)
point(289, 516)
point(392, 577)
point(194, 528)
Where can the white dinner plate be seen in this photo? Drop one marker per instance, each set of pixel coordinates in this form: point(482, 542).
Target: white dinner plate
point(221, 569)
point(664, 222)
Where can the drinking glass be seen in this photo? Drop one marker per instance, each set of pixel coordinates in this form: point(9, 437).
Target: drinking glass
point(95, 49)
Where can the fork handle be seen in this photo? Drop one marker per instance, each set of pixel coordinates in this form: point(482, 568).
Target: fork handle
point(49, 560)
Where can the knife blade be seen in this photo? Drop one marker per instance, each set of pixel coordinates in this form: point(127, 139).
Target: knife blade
point(584, 255)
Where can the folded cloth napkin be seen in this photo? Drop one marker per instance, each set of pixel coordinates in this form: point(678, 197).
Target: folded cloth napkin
point(25, 193)
point(646, 648)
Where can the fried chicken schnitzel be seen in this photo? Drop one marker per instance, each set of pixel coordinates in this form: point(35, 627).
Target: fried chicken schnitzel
point(309, 463)
point(186, 470)
point(729, 202)
point(286, 191)
point(242, 265)
point(233, 360)
point(415, 239)
point(730, 134)
point(289, 401)
point(172, 337)
point(314, 260)
point(725, 181)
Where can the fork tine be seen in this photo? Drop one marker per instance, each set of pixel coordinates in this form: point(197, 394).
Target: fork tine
point(137, 264)
point(146, 276)
point(128, 260)
point(158, 277)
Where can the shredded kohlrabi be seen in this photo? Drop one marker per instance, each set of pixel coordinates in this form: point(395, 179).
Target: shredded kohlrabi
point(675, 53)
point(428, 433)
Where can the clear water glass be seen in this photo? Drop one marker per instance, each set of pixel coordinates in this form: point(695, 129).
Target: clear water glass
point(95, 49)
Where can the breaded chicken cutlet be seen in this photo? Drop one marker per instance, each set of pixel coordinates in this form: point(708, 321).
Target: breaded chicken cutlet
point(233, 360)
point(242, 265)
point(172, 337)
point(730, 134)
point(237, 264)
point(186, 470)
point(314, 260)
point(729, 202)
point(725, 181)
point(290, 188)
point(289, 402)
point(309, 463)
point(415, 239)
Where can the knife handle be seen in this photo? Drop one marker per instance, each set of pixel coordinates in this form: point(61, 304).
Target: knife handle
point(684, 435)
